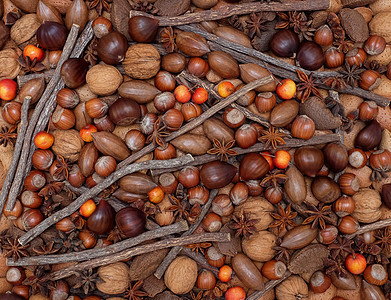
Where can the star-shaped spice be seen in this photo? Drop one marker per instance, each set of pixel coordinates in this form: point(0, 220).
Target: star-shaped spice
point(134, 292)
point(46, 249)
point(299, 22)
point(11, 248)
point(282, 254)
point(307, 86)
point(178, 207)
point(335, 82)
point(100, 5)
point(383, 239)
point(222, 149)
point(39, 281)
point(351, 74)
point(61, 169)
point(198, 247)
point(274, 179)
point(8, 135)
point(243, 225)
point(51, 189)
point(87, 279)
point(158, 134)
point(283, 218)
point(341, 247)
point(318, 216)
point(336, 266)
point(29, 65)
point(256, 24)
point(272, 137)
point(167, 38)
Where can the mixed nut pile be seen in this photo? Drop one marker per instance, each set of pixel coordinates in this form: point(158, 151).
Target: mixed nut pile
point(203, 149)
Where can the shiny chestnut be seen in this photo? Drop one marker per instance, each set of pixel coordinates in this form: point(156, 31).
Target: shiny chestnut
point(130, 221)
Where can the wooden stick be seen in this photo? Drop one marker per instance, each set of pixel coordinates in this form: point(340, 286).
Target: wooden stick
point(75, 205)
point(126, 254)
point(277, 66)
point(20, 172)
point(46, 75)
point(15, 157)
point(268, 286)
point(290, 143)
point(100, 252)
point(174, 251)
point(201, 119)
point(237, 9)
point(376, 225)
point(85, 37)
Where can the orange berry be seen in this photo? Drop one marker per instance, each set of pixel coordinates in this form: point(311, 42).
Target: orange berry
point(225, 273)
point(225, 89)
point(156, 195)
point(182, 94)
point(235, 293)
point(43, 140)
point(33, 52)
point(267, 155)
point(281, 159)
point(355, 263)
point(87, 208)
point(286, 89)
point(86, 131)
point(200, 95)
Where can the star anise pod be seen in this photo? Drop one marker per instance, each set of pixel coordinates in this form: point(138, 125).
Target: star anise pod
point(351, 74)
point(222, 149)
point(299, 22)
point(344, 45)
point(282, 254)
point(49, 207)
point(335, 82)
point(274, 178)
point(39, 281)
point(91, 54)
point(4, 235)
point(239, 22)
point(383, 239)
point(335, 107)
point(61, 168)
point(341, 247)
point(336, 266)
point(372, 251)
point(198, 247)
point(256, 24)
point(29, 65)
point(158, 134)
point(243, 225)
point(307, 86)
point(194, 213)
point(11, 248)
point(178, 207)
point(87, 279)
point(195, 296)
point(283, 218)
point(100, 5)
point(144, 6)
point(167, 38)
point(318, 216)
point(375, 66)
point(115, 235)
point(51, 189)
point(134, 292)
point(272, 137)
point(8, 135)
point(68, 243)
point(46, 249)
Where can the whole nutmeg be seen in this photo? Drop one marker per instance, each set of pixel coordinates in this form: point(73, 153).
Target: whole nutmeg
point(181, 275)
point(130, 221)
point(142, 29)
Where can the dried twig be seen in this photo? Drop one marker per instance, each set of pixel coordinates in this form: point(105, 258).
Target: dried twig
point(96, 253)
point(75, 205)
point(174, 251)
point(126, 254)
point(237, 9)
point(373, 226)
point(15, 157)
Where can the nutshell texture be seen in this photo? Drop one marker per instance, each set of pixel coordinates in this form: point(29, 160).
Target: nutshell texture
point(381, 25)
point(354, 24)
point(181, 275)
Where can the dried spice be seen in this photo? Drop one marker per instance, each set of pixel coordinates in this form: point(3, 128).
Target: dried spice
point(299, 22)
point(29, 65)
point(318, 216)
point(272, 137)
point(159, 133)
point(11, 248)
point(307, 86)
point(8, 135)
point(87, 280)
point(167, 38)
point(255, 25)
point(283, 218)
point(242, 225)
point(222, 149)
point(100, 5)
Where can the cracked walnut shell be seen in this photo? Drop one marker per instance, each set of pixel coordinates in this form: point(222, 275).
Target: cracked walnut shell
point(142, 61)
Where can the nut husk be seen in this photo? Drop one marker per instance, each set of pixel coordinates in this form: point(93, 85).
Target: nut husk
point(192, 143)
point(142, 61)
point(33, 88)
point(316, 109)
point(354, 24)
point(68, 144)
point(172, 7)
point(258, 246)
point(308, 259)
point(115, 278)
point(25, 28)
point(295, 185)
point(140, 91)
point(181, 275)
point(103, 80)
point(367, 205)
point(4, 33)
point(110, 144)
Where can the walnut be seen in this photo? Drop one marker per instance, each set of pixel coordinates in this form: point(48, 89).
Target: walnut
point(258, 246)
point(115, 278)
point(103, 80)
point(142, 61)
point(10, 66)
point(181, 275)
point(367, 205)
point(67, 143)
point(25, 28)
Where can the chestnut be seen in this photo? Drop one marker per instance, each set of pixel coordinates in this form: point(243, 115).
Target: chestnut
point(386, 194)
point(104, 124)
point(164, 82)
point(369, 137)
point(253, 166)
point(375, 45)
point(101, 220)
point(325, 189)
point(130, 221)
point(309, 160)
point(310, 56)
point(124, 112)
point(217, 174)
point(112, 48)
point(335, 157)
point(142, 29)
point(73, 72)
point(284, 43)
point(51, 35)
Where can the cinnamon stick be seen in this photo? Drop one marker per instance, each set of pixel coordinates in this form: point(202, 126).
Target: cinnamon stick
point(373, 226)
point(268, 286)
point(20, 172)
point(290, 143)
point(75, 205)
point(101, 252)
point(15, 157)
point(126, 254)
point(174, 251)
point(237, 9)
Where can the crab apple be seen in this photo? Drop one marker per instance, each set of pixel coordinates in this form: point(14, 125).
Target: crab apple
point(281, 159)
point(225, 89)
point(86, 131)
point(7, 89)
point(355, 263)
point(182, 94)
point(225, 273)
point(87, 208)
point(235, 293)
point(286, 89)
point(33, 52)
point(200, 95)
point(269, 158)
point(43, 140)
